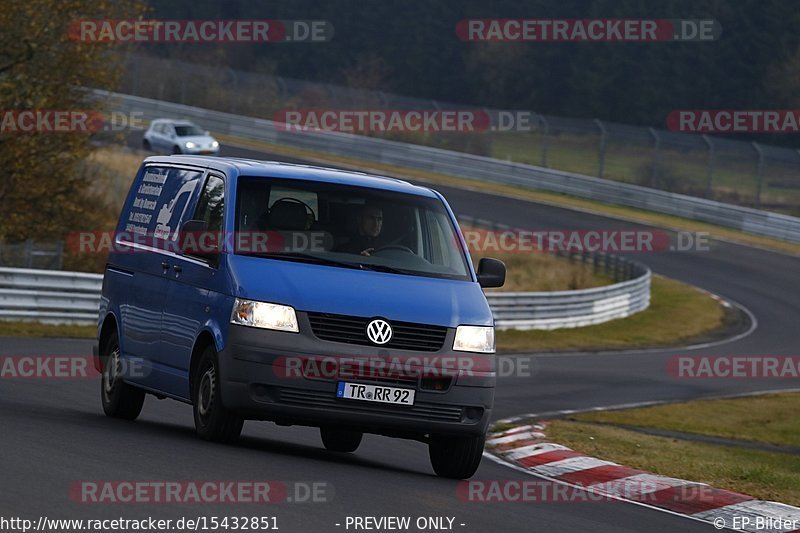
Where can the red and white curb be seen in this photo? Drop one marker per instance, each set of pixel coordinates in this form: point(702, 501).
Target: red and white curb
point(525, 448)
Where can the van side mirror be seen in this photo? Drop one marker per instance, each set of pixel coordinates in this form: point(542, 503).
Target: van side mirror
point(194, 239)
point(491, 273)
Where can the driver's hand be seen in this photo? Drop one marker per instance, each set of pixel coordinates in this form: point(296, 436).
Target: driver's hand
point(368, 251)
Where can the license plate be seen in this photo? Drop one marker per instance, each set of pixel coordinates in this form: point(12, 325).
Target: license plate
point(375, 393)
point(205, 151)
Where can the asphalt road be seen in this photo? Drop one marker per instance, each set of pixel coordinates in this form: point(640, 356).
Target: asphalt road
point(53, 432)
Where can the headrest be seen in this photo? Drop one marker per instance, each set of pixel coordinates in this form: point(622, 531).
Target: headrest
point(289, 215)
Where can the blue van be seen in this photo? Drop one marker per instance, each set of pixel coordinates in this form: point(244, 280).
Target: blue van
point(300, 295)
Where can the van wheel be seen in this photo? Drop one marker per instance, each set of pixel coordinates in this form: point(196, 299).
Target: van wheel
point(146, 145)
point(456, 457)
point(176, 150)
point(212, 420)
point(340, 440)
point(120, 400)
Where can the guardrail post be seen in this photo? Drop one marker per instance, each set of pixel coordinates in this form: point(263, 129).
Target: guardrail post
point(282, 88)
point(545, 138)
point(235, 78)
point(710, 174)
point(759, 173)
point(656, 147)
point(60, 255)
point(29, 253)
point(135, 76)
point(601, 156)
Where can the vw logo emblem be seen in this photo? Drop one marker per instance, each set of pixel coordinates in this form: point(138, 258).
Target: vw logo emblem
point(379, 331)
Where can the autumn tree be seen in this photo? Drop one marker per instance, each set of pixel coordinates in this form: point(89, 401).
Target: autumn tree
point(43, 194)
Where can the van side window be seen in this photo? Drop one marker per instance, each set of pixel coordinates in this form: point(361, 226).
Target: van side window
point(211, 205)
point(162, 200)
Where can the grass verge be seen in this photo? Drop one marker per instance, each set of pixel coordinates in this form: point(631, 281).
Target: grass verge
point(34, 329)
point(677, 313)
point(763, 474)
point(556, 199)
point(769, 418)
point(545, 272)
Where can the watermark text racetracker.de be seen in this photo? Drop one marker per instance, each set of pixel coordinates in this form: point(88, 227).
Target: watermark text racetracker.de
point(587, 30)
point(594, 240)
point(182, 492)
point(384, 120)
point(464, 368)
point(734, 121)
point(63, 367)
point(734, 367)
point(28, 121)
point(529, 491)
point(200, 31)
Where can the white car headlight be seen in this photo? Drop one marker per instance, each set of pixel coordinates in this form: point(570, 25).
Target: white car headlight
point(264, 315)
point(190, 144)
point(478, 339)
point(215, 144)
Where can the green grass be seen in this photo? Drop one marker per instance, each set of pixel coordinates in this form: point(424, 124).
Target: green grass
point(762, 474)
point(34, 329)
point(498, 428)
point(676, 314)
point(545, 272)
point(771, 418)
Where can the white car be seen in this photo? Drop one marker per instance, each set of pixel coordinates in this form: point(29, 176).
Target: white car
point(178, 137)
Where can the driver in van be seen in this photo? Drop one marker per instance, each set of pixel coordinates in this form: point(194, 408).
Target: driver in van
point(369, 223)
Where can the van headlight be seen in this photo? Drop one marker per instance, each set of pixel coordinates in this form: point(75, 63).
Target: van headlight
point(215, 144)
point(264, 315)
point(478, 339)
point(190, 145)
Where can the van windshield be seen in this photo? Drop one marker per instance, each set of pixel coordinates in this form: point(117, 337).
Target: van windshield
point(347, 226)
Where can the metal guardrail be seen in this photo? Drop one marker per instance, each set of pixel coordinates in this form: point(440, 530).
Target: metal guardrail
point(30, 254)
point(49, 296)
point(469, 166)
point(571, 309)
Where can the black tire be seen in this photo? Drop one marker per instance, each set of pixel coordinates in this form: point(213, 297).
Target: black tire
point(146, 145)
point(176, 150)
point(212, 421)
point(120, 400)
point(340, 440)
point(456, 457)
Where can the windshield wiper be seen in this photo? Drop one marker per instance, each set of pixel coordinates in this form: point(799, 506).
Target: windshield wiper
point(306, 258)
point(384, 268)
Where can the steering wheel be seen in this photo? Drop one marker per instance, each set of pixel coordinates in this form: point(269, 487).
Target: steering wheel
point(394, 247)
point(295, 200)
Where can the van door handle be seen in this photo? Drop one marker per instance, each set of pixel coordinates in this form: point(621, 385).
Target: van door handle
point(164, 265)
point(177, 268)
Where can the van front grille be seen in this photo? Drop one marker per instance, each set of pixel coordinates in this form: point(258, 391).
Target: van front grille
point(353, 330)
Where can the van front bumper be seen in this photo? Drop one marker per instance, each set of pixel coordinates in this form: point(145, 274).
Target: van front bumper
point(292, 378)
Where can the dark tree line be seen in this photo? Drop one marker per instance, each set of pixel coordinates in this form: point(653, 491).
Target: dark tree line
point(410, 47)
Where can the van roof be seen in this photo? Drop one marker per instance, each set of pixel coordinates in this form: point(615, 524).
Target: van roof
point(277, 169)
